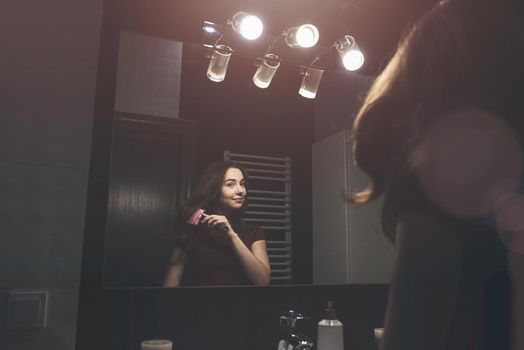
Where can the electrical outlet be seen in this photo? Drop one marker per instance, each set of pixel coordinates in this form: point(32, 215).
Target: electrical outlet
point(27, 310)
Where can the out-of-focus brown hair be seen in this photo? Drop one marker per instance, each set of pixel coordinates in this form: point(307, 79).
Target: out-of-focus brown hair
point(462, 52)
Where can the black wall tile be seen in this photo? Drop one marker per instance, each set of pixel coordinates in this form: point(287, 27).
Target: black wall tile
point(41, 220)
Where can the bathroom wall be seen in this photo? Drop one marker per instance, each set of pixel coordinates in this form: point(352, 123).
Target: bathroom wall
point(48, 63)
point(340, 97)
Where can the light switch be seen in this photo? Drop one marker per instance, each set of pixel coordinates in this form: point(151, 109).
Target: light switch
point(27, 310)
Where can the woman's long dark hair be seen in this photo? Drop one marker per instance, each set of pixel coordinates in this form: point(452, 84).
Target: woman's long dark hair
point(206, 196)
point(460, 52)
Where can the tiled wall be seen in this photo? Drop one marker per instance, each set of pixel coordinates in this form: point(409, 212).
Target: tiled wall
point(48, 62)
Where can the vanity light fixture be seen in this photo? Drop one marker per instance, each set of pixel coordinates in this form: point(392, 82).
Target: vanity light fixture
point(247, 25)
point(310, 82)
point(351, 56)
point(312, 76)
point(217, 68)
point(211, 34)
point(210, 28)
point(305, 36)
point(352, 59)
point(266, 70)
point(268, 65)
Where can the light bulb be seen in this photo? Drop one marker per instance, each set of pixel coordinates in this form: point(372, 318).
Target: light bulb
point(303, 36)
point(353, 59)
point(249, 26)
point(351, 56)
point(307, 35)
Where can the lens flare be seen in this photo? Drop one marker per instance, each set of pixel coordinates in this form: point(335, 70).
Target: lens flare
point(471, 158)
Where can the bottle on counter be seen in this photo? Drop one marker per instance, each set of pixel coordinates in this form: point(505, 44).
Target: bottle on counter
point(330, 333)
point(377, 332)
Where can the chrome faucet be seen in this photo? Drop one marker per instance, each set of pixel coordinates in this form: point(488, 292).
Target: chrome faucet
point(292, 339)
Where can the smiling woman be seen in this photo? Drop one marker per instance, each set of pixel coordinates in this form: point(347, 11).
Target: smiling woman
point(217, 248)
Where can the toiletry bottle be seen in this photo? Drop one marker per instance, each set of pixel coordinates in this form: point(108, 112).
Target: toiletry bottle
point(330, 335)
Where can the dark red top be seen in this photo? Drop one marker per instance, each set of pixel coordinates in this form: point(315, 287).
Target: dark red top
point(212, 260)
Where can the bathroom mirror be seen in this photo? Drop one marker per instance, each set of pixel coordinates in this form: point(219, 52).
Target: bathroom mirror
point(159, 121)
point(170, 122)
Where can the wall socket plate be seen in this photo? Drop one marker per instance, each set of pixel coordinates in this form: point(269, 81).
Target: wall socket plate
point(27, 310)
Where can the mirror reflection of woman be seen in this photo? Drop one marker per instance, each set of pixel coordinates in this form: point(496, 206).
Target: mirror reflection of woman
point(222, 249)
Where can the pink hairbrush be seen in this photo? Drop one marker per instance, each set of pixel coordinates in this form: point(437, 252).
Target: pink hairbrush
point(195, 218)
